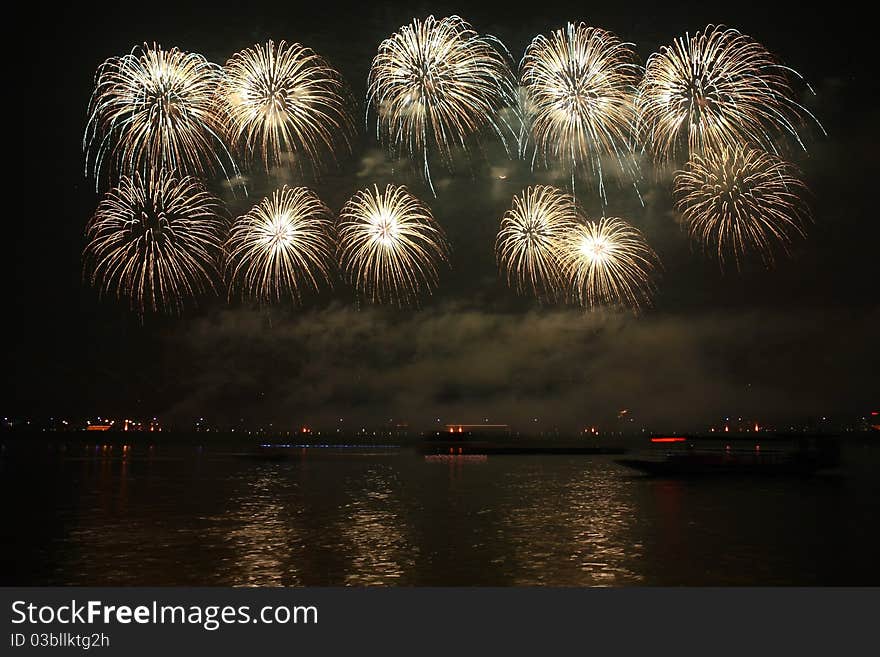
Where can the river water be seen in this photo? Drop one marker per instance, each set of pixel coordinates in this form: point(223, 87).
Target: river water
point(209, 515)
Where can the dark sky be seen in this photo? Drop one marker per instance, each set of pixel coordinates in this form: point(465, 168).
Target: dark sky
point(793, 342)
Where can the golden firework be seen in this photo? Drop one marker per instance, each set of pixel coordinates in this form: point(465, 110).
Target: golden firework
point(390, 246)
point(155, 240)
point(436, 83)
point(282, 246)
point(716, 88)
point(580, 85)
point(531, 239)
point(285, 99)
point(608, 262)
point(155, 109)
point(738, 200)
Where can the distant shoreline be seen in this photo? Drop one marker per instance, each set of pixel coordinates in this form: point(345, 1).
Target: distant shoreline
point(430, 441)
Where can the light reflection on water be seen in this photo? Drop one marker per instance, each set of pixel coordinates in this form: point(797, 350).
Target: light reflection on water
point(260, 531)
point(580, 522)
point(188, 517)
point(374, 530)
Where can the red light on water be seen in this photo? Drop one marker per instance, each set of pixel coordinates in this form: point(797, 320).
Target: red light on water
point(668, 439)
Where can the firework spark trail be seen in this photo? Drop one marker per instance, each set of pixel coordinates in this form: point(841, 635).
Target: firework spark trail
point(716, 88)
point(580, 86)
point(608, 262)
point(282, 99)
point(282, 246)
point(740, 200)
point(155, 240)
point(155, 109)
point(390, 246)
point(531, 239)
point(436, 83)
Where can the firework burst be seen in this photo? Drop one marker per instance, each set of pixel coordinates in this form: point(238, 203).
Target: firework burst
point(155, 109)
point(580, 86)
point(530, 240)
point(155, 240)
point(716, 88)
point(390, 246)
point(282, 246)
point(740, 200)
point(609, 262)
point(435, 83)
point(285, 99)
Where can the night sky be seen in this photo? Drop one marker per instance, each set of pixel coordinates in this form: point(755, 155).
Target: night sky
point(790, 343)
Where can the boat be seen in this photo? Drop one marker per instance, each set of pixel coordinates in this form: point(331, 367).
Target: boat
point(497, 440)
point(517, 448)
point(750, 454)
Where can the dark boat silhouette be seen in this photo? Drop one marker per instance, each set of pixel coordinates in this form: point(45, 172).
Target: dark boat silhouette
point(752, 454)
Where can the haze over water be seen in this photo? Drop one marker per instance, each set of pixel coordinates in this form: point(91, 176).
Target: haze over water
point(188, 515)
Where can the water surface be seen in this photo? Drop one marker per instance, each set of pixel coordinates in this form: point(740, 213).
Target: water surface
point(203, 515)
